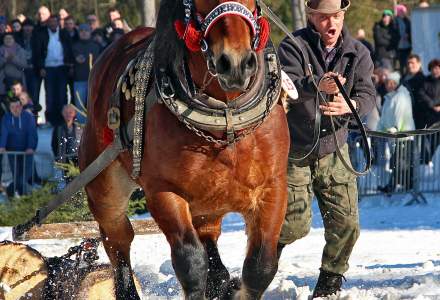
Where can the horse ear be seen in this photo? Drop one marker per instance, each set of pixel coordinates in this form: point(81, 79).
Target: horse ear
point(264, 25)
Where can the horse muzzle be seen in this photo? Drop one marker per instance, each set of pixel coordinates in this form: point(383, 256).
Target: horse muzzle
point(234, 71)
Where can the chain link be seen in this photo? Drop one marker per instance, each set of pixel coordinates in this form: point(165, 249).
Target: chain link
point(274, 82)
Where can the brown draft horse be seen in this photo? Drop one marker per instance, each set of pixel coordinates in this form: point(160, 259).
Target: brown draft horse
point(189, 182)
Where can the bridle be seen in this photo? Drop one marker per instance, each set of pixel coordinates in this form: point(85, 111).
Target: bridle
point(194, 29)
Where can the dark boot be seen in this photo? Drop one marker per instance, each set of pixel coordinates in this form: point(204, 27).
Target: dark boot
point(328, 284)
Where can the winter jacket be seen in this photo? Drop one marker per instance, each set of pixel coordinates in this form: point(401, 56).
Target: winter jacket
point(397, 111)
point(428, 98)
point(12, 69)
point(86, 49)
point(414, 84)
point(65, 142)
point(18, 133)
point(352, 60)
point(40, 43)
point(386, 40)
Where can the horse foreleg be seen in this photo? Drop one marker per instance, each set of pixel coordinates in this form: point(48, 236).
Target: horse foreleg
point(108, 197)
point(263, 229)
point(209, 230)
point(189, 258)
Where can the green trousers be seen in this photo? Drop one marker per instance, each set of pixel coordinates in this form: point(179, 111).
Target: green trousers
point(336, 191)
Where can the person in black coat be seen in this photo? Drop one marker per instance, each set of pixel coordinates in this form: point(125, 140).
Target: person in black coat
point(428, 108)
point(53, 60)
point(386, 39)
point(413, 81)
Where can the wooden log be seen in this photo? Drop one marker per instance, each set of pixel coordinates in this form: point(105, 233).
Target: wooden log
point(83, 230)
point(23, 272)
point(98, 284)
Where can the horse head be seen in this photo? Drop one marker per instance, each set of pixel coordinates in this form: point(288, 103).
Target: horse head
point(230, 41)
point(229, 34)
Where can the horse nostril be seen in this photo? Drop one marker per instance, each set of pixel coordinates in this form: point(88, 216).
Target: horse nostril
point(223, 64)
point(250, 63)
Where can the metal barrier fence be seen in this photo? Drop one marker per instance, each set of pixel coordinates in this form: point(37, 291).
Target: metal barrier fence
point(410, 165)
point(21, 172)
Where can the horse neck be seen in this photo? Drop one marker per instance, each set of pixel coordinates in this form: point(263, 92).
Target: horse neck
point(198, 68)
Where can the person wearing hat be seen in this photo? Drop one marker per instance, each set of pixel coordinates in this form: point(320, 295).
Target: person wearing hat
point(86, 52)
point(331, 51)
point(386, 40)
point(396, 116)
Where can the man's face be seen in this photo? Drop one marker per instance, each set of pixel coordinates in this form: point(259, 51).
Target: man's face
point(8, 40)
point(114, 15)
point(16, 26)
point(390, 85)
point(43, 14)
point(17, 89)
point(16, 108)
point(386, 20)
point(435, 71)
point(329, 26)
point(84, 35)
point(69, 24)
point(69, 114)
point(53, 24)
point(92, 21)
point(413, 66)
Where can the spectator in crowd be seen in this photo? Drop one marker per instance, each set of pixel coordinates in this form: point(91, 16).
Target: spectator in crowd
point(99, 37)
point(397, 116)
point(53, 61)
point(12, 61)
point(85, 51)
point(113, 15)
point(423, 3)
point(3, 24)
point(361, 38)
point(93, 22)
point(63, 15)
point(21, 18)
point(428, 108)
point(397, 108)
point(19, 133)
point(43, 17)
point(66, 137)
point(70, 28)
point(414, 80)
point(16, 25)
point(29, 72)
point(403, 24)
point(39, 29)
point(379, 77)
point(386, 38)
point(116, 35)
point(17, 91)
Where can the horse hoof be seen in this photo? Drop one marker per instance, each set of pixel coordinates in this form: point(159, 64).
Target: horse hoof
point(231, 289)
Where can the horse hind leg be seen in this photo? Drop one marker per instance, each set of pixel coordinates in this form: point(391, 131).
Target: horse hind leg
point(209, 230)
point(108, 197)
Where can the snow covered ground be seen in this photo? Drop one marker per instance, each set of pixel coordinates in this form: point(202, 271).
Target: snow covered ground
point(397, 255)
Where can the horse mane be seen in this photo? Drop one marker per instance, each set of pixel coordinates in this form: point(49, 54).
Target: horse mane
point(169, 49)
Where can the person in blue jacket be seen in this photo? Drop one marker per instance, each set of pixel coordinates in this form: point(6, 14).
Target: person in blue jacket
point(19, 134)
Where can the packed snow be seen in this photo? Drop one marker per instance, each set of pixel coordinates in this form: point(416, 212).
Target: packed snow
point(397, 255)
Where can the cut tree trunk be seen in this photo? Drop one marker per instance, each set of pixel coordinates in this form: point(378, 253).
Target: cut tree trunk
point(98, 282)
point(23, 272)
point(299, 14)
point(83, 230)
point(148, 9)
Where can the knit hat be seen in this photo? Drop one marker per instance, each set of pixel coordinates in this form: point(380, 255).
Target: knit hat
point(394, 76)
point(388, 12)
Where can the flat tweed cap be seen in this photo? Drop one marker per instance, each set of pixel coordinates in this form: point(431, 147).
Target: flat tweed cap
point(327, 7)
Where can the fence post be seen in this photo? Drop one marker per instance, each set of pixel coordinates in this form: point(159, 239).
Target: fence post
point(417, 196)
